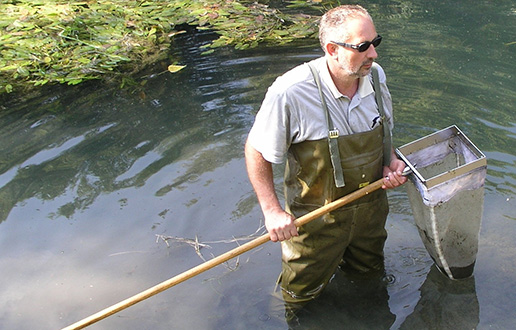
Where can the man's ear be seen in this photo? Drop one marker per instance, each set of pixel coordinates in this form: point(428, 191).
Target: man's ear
point(331, 49)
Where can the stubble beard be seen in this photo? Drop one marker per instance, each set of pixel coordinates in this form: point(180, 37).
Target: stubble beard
point(358, 72)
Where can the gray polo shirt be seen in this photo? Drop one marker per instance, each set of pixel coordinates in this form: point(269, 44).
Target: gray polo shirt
point(291, 111)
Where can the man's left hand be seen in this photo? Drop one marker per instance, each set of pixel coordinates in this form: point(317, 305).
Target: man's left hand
point(392, 174)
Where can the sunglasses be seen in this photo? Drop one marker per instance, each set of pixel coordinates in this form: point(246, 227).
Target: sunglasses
point(363, 46)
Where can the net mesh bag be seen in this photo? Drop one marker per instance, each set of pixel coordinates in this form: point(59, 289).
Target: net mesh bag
point(445, 190)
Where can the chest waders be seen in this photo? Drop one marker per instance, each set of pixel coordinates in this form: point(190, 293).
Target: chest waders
point(353, 235)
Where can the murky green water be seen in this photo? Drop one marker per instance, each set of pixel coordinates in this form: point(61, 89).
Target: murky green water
point(104, 193)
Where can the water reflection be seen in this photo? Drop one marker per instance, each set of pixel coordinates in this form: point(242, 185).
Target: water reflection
point(353, 301)
point(362, 303)
point(445, 304)
point(89, 177)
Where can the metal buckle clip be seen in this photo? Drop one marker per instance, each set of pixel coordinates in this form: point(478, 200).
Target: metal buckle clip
point(334, 133)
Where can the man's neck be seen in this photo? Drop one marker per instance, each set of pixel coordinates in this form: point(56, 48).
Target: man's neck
point(346, 85)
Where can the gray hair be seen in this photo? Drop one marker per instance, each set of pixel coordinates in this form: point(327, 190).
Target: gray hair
point(333, 23)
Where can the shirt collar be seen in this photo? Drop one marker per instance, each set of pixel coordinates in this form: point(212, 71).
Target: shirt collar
point(364, 83)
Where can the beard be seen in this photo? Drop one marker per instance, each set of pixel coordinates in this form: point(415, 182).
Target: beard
point(358, 71)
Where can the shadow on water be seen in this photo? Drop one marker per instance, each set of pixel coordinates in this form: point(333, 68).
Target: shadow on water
point(92, 179)
point(360, 303)
point(445, 304)
point(354, 301)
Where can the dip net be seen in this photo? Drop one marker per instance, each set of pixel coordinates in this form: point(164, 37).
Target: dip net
point(446, 194)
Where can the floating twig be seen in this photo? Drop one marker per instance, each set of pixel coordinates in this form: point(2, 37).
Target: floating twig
point(198, 245)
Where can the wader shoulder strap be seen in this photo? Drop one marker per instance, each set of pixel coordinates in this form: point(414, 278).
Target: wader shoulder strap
point(333, 134)
point(387, 143)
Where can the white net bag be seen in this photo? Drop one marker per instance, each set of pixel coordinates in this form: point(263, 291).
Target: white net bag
point(446, 194)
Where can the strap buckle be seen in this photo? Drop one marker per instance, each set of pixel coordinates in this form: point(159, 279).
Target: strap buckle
point(334, 133)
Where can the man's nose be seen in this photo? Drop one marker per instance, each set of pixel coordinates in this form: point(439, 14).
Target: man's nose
point(371, 52)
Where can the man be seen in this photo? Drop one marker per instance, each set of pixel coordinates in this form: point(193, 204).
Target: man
point(293, 121)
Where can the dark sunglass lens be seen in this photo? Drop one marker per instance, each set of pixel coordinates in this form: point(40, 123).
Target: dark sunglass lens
point(377, 41)
point(364, 46)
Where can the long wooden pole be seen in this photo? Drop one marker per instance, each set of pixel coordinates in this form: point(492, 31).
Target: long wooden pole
point(221, 259)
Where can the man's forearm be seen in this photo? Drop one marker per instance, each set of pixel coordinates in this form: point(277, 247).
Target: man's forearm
point(262, 178)
point(279, 223)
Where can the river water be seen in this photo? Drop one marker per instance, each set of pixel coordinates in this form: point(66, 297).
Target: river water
point(105, 193)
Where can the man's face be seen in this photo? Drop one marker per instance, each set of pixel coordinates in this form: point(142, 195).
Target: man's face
point(350, 61)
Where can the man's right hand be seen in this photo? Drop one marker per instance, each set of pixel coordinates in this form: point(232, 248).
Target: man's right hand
point(280, 225)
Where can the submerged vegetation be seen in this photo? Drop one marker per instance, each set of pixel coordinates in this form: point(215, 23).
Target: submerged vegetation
point(68, 42)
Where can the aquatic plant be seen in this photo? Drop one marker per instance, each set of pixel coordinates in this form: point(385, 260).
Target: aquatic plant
point(57, 41)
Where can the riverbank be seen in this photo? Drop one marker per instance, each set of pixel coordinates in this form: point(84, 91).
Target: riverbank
point(62, 42)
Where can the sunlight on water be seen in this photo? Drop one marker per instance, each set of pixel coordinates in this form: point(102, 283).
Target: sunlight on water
point(92, 181)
